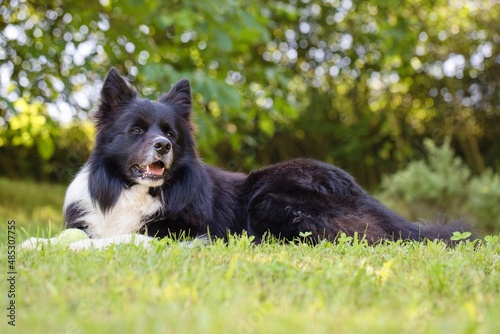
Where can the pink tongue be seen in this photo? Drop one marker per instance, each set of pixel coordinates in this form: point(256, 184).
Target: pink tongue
point(155, 169)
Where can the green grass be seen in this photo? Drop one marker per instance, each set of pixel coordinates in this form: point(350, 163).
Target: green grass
point(239, 287)
point(34, 206)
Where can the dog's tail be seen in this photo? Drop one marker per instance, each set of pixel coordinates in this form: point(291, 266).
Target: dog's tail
point(450, 232)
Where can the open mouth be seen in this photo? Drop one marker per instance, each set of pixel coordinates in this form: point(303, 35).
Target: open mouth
point(152, 171)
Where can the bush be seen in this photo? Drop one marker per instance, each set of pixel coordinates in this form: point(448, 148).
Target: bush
point(484, 200)
point(72, 148)
point(443, 184)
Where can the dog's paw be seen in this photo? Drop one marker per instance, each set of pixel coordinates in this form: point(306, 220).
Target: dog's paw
point(37, 243)
point(201, 240)
point(136, 239)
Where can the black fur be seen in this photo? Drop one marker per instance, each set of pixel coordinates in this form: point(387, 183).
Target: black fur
point(283, 200)
point(211, 203)
point(73, 214)
point(306, 195)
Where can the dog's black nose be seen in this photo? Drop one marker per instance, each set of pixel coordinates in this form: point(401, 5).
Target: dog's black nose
point(162, 145)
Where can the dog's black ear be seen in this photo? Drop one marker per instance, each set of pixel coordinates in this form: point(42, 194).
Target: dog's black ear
point(115, 93)
point(180, 96)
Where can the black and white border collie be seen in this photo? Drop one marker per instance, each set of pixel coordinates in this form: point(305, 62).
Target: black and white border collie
point(144, 176)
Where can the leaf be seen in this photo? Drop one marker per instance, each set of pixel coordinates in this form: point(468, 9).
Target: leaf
point(45, 146)
point(491, 239)
point(266, 125)
point(305, 234)
point(460, 236)
point(223, 41)
point(253, 26)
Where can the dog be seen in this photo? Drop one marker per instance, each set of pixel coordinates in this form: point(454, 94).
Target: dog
point(145, 176)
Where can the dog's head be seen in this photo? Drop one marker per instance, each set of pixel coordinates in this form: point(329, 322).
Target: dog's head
point(143, 141)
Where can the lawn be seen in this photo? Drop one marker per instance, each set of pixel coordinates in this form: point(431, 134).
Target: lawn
point(347, 287)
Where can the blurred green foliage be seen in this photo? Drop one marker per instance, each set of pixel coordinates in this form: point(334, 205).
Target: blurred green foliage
point(356, 83)
point(442, 184)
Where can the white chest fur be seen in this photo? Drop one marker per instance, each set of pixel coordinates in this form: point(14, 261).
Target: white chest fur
point(127, 216)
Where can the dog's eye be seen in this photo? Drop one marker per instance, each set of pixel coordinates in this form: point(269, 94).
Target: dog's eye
point(169, 134)
point(136, 130)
